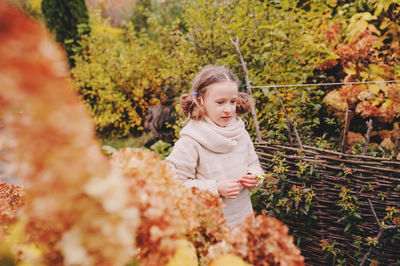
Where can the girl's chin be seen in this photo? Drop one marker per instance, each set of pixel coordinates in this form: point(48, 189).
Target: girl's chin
point(224, 122)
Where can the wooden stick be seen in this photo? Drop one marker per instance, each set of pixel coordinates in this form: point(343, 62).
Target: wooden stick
point(248, 87)
point(335, 155)
point(380, 233)
point(345, 131)
point(287, 117)
point(369, 129)
point(296, 133)
point(374, 213)
point(397, 145)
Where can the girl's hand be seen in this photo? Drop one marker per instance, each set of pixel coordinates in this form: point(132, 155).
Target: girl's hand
point(229, 188)
point(248, 181)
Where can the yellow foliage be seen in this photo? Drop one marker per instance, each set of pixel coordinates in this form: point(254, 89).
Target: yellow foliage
point(35, 5)
point(359, 24)
point(185, 255)
point(121, 73)
point(229, 259)
point(388, 144)
point(375, 88)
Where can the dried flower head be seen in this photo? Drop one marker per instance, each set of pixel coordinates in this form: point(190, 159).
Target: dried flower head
point(262, 240)
point(169, 210)
point(11, 200)
point(76, 208)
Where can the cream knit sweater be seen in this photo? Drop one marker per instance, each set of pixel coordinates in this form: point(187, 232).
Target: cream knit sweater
point(207, 153)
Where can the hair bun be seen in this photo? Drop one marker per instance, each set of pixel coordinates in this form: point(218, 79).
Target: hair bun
point(243, 103)
point(191, 107)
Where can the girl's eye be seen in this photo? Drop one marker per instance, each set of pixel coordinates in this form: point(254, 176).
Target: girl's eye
point(233, 101)
point(220, 102)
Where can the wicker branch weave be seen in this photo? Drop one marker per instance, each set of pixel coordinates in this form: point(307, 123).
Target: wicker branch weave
point(382, 174)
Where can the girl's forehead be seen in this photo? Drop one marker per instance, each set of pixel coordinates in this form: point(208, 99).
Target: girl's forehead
point(224, 87)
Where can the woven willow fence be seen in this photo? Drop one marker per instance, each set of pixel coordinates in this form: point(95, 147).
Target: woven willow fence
point(325, 238)
point(342, 208)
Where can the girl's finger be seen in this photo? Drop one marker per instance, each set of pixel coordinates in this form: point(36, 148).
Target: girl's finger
point(232, 191)
point(249, 180)
point(234, 185)
point(248, 183)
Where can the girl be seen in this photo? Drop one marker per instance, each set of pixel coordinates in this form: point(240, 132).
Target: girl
point(215, 151)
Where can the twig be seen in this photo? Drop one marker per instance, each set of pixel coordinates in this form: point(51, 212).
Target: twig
point(374, 213)
point(248, 87)
point(346, 130)
point(380, 233)
point(287, 117)
point(296, 133)
point(397, 145)
point(369, 129)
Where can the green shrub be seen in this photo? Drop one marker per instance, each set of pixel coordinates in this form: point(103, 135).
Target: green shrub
point(281, 44)
point(120, 74)
point(62, 17)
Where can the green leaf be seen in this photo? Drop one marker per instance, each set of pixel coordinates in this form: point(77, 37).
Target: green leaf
point(347, 228)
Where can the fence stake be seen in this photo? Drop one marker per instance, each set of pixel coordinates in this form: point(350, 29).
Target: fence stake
point(346, 129)
point(296, 133)
point(286, 116)
point(248, 87)
point(397, 145)
point(369, 129)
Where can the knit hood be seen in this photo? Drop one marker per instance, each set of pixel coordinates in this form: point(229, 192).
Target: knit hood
point(213, 137)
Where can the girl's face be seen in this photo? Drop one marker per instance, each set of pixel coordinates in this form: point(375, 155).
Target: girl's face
point(219, 102)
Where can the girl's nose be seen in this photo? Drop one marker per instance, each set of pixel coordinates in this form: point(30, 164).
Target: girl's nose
point(227, 109)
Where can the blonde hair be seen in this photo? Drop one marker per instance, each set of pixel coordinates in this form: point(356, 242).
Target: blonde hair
point(208, 76)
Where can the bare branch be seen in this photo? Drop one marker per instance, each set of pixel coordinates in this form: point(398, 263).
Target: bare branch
point(370, 249)
point(286, 115)
point(346, 130)
point(373, 211)
point(248, 86)
point(369, 129)
point(397, 144)
point(380, 233)
point(296, 133)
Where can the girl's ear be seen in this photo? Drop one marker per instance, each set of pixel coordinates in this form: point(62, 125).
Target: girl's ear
point(200, 101)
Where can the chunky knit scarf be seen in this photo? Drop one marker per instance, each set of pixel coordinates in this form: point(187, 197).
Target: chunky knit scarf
point(213, 137)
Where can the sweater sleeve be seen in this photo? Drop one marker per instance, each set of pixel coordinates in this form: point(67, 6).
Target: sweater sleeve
point(183, 162)
point(254, 166)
